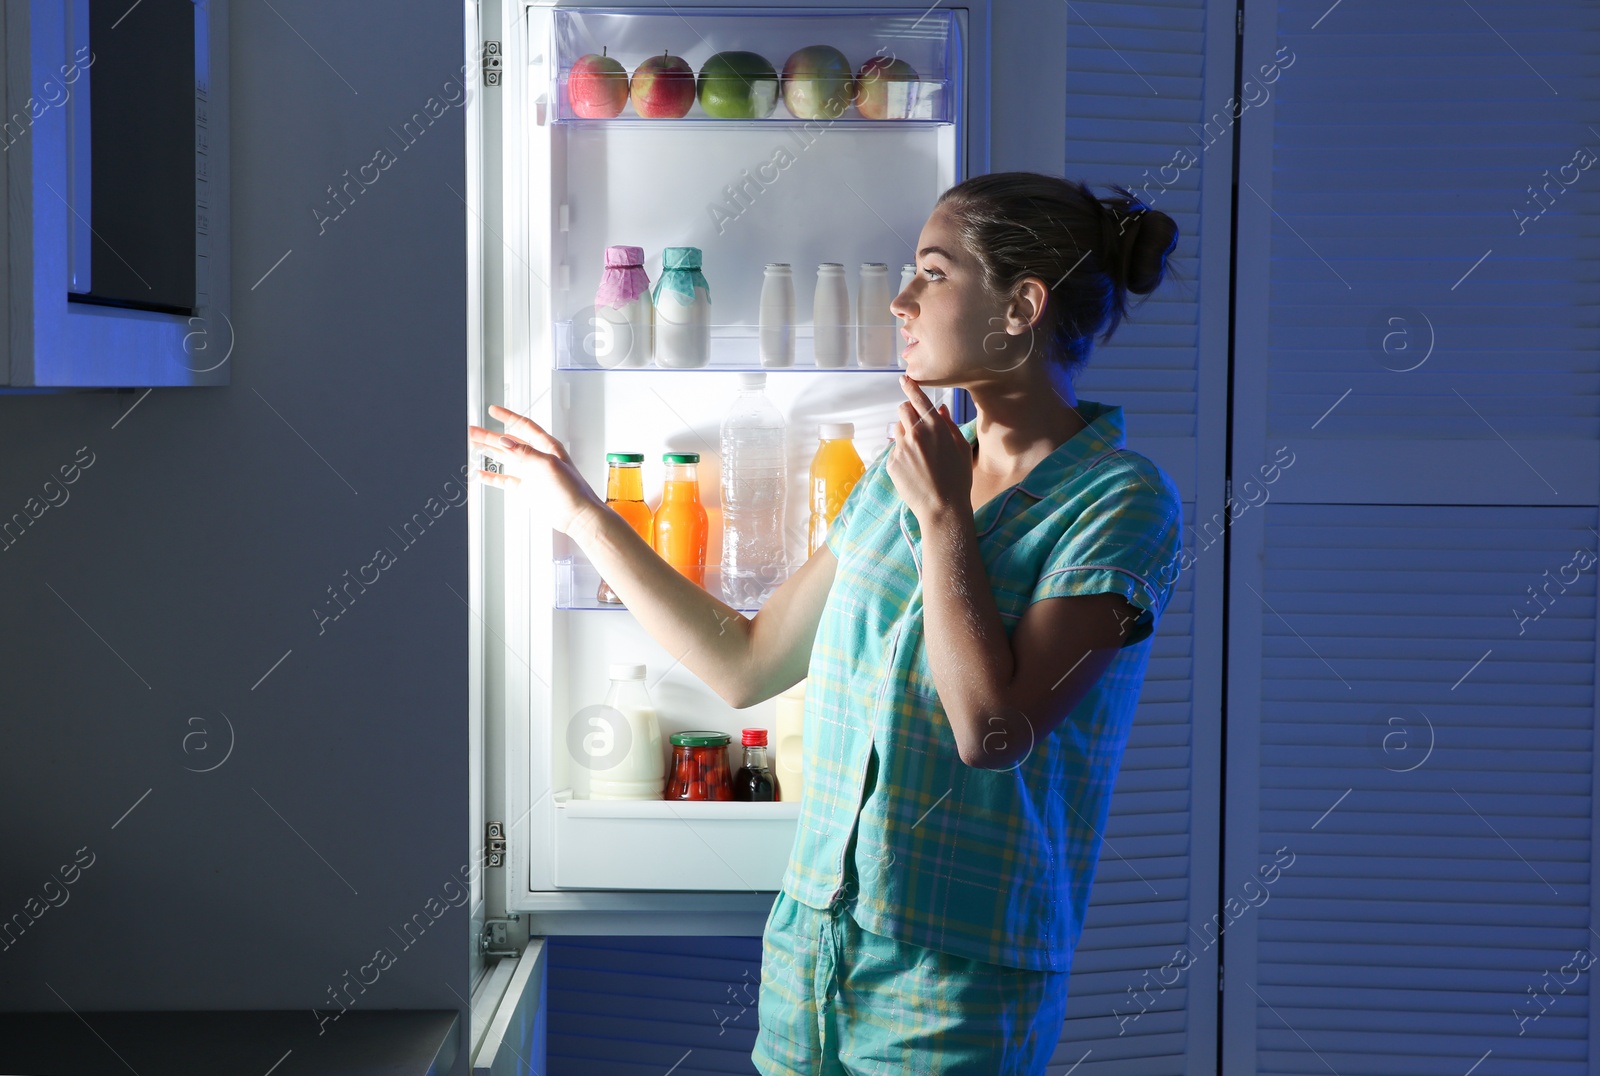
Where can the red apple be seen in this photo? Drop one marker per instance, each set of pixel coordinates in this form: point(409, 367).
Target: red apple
point(886, 88)
point(817, 83)
point(663, 87)
point(597, 86)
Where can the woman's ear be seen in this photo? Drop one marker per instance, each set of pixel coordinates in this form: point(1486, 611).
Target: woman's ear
point(1027, 306)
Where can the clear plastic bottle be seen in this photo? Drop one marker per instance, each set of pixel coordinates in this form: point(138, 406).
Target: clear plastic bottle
point(641, 771)
point(755, 475)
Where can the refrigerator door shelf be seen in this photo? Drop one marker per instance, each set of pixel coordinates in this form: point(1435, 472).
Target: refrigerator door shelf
point(923, 44)
point(926, 102)
point(641, 844)
point(733, 347)
point(577, 583)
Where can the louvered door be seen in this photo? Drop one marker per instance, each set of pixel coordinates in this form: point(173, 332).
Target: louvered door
point(1410, 812)
point(1141, 78)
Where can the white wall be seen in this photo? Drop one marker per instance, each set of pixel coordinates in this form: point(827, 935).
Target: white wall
point(194, 548)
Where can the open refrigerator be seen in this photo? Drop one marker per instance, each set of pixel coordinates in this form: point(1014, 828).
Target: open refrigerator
point(747, 192)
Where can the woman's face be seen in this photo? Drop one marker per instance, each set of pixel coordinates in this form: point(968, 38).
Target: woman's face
point(953, 331)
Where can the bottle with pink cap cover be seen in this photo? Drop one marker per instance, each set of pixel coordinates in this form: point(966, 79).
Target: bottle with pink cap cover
point(624, 323)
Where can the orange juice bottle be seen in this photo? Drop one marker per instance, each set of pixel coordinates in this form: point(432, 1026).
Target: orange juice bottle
point(834, 472)
point(679, 525)
point(625, 496)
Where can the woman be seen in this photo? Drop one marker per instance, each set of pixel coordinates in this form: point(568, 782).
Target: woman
point(975, 633)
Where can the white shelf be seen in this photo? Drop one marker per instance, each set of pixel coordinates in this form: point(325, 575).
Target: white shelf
point(671, 844)
point(733, 348)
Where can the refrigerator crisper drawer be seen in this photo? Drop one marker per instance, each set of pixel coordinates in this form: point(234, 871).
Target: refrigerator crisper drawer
point(661, 844)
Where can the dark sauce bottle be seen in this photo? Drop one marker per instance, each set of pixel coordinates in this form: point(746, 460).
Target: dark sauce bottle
point(755, 782)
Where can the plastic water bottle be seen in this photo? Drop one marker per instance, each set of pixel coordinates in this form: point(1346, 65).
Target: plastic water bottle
point(754, 479)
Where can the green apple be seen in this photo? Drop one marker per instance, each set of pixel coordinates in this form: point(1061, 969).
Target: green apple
point(738, 86)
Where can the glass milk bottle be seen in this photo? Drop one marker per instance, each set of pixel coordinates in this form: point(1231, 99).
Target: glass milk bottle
point(777, 315)
point(627, 758)
point(683, 311)
point(623, 312)
point(908, 273)
point(875, 325)
point(830, 317)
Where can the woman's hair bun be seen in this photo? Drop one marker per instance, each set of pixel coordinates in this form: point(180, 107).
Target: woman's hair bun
point(1143, 238)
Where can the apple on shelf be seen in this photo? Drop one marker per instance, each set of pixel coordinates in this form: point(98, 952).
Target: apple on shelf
point(597, 86)
point(738, 86)
point(886, 88)
point(817, 84)
point(663, 87)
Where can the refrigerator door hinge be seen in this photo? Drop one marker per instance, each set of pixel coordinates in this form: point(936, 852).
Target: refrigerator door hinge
point(499, 938)
point(491, 63)
point(494, 844)
point(1227, 492)
point(1239, 23)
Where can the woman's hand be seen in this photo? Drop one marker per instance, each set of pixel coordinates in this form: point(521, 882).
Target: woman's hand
point(930, 462)
point(559, 490)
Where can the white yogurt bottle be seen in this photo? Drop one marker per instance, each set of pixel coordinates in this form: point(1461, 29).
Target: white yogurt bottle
point(875, 325)
point(908, 273)
point(830, 317)
point(683, 311)
point(777, 315)
point(624, 321)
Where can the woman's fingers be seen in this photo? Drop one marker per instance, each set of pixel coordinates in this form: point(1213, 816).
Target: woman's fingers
point(530, 430)
point(499, 481)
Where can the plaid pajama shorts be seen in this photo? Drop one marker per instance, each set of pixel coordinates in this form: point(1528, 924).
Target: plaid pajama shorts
point(837, 1000)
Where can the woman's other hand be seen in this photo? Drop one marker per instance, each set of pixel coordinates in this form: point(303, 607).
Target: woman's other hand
point(559, 491)
point(930, 461)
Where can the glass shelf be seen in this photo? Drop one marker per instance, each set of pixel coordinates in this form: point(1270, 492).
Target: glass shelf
point(577, 582)
point(924, 107)
point(733, 348)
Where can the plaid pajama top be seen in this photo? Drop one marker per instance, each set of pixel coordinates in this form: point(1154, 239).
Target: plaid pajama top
point(993, 865)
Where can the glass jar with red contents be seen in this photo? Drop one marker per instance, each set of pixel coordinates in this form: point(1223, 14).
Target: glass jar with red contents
point(699, 768)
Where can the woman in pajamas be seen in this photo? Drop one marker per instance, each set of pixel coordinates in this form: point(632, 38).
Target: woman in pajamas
point(974, 636)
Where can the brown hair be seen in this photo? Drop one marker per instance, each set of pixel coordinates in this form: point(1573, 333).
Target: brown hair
point(1089, 252)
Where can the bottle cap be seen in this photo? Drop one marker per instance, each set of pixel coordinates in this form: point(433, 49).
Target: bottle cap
point(829, 267)
point(624, 457)
point(752, 379)
point(680, 457)
point(626, 672)
point(874, 267)
point(778, 267)
point(754, 737)
point(830, 431)
point(908, 265)
point(701, 739)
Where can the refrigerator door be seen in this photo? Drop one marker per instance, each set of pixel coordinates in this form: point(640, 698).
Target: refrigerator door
point(776, 188)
